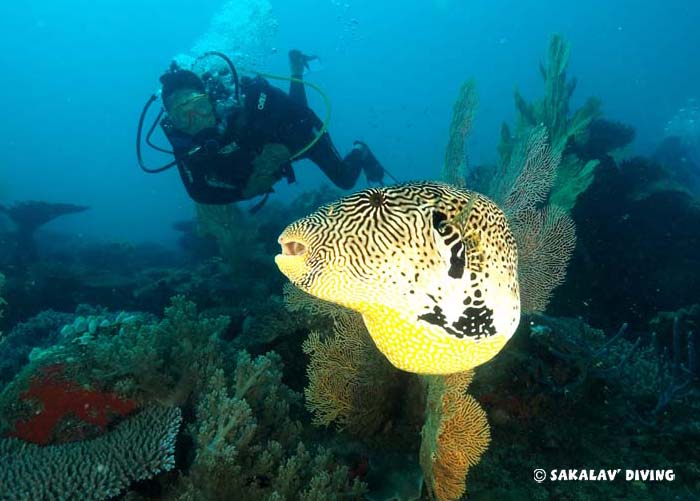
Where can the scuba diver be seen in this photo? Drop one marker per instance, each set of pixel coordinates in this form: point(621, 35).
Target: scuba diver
point(232, 144)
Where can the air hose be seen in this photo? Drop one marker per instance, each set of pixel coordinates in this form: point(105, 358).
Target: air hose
point(324, 96)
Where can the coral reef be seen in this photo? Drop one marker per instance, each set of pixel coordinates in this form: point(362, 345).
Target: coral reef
point(39, 331)
point(350, 382)
point(248, 447)
point(455, 167)
point(559, 373)
point(455, 435)
point(57, 398)
point(105, 390)
point(138, 448)
point(636, 241)
point(603, 138)
point(243, 438)
point(574, 175)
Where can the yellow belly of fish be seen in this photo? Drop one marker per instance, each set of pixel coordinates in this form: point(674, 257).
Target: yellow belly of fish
point(422, 348)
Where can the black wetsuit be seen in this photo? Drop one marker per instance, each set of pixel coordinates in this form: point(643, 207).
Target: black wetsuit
point(215, 167)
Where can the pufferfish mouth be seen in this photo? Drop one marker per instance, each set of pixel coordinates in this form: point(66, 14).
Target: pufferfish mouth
point(292, 247)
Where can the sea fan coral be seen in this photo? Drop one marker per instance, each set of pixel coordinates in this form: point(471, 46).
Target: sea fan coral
point(455, 435)
point(546, 240)
point(349, 380)
point(463, 112)
point(351, 383)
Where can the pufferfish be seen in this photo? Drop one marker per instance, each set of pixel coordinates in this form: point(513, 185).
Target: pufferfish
point(432, 269)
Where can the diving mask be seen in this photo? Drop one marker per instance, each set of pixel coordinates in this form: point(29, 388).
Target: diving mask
point(191, 112)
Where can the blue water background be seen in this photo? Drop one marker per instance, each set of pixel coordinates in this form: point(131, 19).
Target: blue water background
point(75, 74)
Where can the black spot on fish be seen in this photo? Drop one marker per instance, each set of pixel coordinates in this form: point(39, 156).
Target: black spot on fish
point(436, 317)
point(457, 261)
point(474, 322)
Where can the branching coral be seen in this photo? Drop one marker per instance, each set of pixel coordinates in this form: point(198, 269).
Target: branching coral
point(455, 435)
point(246, 444)
point(138, 448)
point(585, 353)
point(673, 374)
point(158, 360)
point(248, 447)
point(130, 356)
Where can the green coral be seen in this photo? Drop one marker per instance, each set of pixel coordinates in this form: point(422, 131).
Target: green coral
point(145, 358)
point(463, 111)
point(246, 442)
point(552, 111)
point(248, 446)
point(138, 448)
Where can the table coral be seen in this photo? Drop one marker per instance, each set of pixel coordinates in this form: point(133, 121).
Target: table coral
point(138, 448)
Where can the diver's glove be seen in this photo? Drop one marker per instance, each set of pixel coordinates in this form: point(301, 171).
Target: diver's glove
point(374, 172)
point(298, 61)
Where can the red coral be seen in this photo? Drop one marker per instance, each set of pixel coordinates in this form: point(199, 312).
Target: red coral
point(61, 398)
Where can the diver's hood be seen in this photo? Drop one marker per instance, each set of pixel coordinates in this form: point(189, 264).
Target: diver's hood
point(179, 79)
